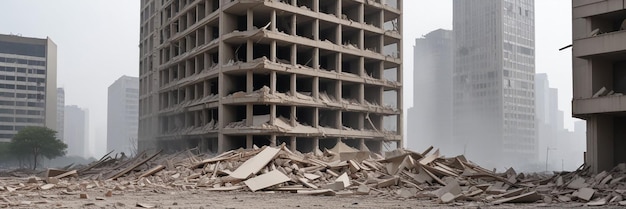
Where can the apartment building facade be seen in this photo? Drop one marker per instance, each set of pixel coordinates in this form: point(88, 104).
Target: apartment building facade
point(28, 92)
point(493, 86)
point(222, 74)
point(599, 78)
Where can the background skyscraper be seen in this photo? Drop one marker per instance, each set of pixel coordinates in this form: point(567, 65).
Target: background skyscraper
point(493, 86)
point(27, 84)
point(60, 113)
point(122, 115)
point(76, 132)
point(430, 118)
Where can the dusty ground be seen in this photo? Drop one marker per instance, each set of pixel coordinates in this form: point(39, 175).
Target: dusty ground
point(211, 199)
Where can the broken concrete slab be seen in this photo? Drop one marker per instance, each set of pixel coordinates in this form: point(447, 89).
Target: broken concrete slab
point(585, 193)
point(335, 186)
point(363, 190)
point(344, 179)
point(255, 164)
point(266, 180)
point(452, 187)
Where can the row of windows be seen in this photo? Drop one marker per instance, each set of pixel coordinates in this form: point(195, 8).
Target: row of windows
point(22, 87)
point(21, 78)
point(6, 136)
point(22, 70)
point(11, 128)
point(23, 61)
point(21, 95)
point(29, 104)
point(19, 112)
point(21, 120)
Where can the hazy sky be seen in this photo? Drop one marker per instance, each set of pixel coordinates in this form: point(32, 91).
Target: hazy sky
point(98, 42)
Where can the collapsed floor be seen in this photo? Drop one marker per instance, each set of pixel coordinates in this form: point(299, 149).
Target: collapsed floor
point(341, 171)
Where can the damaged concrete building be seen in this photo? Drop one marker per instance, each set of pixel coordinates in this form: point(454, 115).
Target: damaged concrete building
point(225, 74)
point(599, 78)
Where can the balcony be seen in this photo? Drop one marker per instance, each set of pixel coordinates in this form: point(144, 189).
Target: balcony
point(606, 104)
point(603, 44)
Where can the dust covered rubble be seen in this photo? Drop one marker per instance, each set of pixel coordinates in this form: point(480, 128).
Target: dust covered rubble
point(340, 171)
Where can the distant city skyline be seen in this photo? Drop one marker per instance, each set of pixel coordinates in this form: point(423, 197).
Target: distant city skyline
point(80, 56)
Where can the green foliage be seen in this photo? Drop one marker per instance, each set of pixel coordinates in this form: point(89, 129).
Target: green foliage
point(37, 142)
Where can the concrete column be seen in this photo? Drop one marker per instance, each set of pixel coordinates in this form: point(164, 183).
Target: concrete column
point(249, 114)
point(338, 63)
point(361, 40)
point(316, 29)
point(294, 54)
point(292, 117)
point(381, 21)
point(362, 93)
point(316, 5)
point(273, 51)
point(316, 88)
point(249, 81)
point(249, 142)
point(361, 13)
point(316, 58)
point(338, 90)
point(316, 144)
point(316, 117)
point(339, 33)
point(338, 8)
point(272, 114)
point(293, 25)
point(362, 145)
point(292, 84)
point(249, 50)
point(293, 143)
point(203, 145)
point(362, 72)
point(273, 140)
point(272, 82)
point(249, 19)
point(600, 141)
point(273, 19)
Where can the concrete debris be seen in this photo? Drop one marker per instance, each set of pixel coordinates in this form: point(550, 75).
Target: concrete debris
point(340, 171)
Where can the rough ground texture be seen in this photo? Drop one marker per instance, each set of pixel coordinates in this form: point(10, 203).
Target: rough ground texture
point(276, 177)
point(211, 199)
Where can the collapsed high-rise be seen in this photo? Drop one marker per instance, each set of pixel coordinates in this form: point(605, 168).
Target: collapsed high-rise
point(225, 74)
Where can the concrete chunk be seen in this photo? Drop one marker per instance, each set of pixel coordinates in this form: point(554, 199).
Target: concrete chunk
point(585, 193)
point(266, 180)
point(363, 190)
point(447, 198)
point(344, 179)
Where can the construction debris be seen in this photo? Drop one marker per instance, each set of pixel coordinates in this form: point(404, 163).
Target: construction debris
point(341, 170)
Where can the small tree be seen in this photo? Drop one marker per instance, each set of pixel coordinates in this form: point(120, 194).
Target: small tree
point(37, 142)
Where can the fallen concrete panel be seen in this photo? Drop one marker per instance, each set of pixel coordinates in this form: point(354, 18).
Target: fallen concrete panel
point(266, 180)
point(255, 164)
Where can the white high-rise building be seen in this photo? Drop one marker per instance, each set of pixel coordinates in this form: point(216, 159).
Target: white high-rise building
point(494, 69)
point(431, 115)
point(60, 113)
point(76, 132)
point(28, 91)
point(123, 115)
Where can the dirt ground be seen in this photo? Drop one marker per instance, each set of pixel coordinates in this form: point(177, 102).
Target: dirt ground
point(211, 199)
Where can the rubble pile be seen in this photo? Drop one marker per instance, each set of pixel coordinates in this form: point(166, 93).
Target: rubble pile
point(342, 170)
